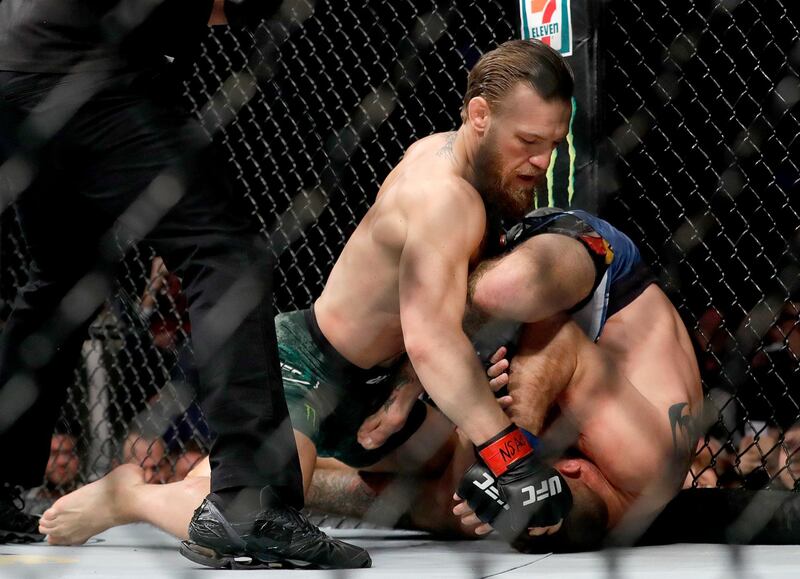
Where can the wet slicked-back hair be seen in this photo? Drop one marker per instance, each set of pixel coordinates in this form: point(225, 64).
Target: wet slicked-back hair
point(529, 61)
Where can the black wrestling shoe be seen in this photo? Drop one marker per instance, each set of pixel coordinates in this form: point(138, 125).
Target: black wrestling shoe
point(16, 526)
point(280, 537)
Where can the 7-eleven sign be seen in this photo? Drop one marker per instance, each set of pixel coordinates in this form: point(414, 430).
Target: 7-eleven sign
point(548, 20)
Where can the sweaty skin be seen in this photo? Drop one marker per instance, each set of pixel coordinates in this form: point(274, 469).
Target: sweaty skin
point(612, 411)
point(620, 395)
point(401, 281)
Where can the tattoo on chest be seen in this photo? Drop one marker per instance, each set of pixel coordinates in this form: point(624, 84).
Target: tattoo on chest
point(447, 149)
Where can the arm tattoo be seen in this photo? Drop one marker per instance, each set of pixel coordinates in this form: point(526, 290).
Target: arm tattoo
point(683, 427)
point(404, 376)
point(340, 492)
point(447, 149)
point(381, 498)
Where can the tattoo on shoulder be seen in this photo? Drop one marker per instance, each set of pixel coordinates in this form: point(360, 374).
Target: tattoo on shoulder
point(447, 149)
point(684, 428)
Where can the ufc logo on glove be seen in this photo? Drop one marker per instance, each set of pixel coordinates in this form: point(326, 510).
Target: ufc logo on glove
point(510, 488)
point(548, 488)
point(487, 486)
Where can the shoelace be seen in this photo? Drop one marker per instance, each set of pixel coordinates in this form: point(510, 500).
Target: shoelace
point(300, 522)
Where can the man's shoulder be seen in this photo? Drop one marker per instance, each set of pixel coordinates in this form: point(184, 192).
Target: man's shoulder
point(445, 198)
point(426, 181)
point(450, 188)
point(432, 143)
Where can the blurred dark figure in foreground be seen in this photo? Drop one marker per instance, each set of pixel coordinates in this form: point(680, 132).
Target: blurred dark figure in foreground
point(98, 154)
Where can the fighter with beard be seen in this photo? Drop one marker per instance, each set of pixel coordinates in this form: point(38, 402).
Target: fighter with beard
point(400, 283)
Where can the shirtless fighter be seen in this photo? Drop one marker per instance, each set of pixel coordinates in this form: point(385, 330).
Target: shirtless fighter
point(400, 283)
point(636, 387)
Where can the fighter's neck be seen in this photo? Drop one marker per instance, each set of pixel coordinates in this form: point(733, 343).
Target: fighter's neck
point(465, 147)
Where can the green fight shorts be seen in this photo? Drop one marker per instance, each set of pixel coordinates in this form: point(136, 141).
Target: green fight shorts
point(329, 398)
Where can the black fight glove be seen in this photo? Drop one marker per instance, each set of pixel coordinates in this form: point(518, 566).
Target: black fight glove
point(513, 490)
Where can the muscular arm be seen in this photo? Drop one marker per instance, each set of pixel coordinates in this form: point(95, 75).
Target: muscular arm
point(444, 228)
point(547, 274)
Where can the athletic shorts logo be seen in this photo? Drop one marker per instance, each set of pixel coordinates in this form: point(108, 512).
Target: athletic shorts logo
point(378, 379)
point(548, 20)
point(599, 246)
point(311, 415)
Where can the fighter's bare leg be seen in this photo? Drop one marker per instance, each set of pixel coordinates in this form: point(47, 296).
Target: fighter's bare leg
point(543, 368)
point(387, 490)
point(119, 498)
point(122, 497)
point(408, 500)
point(547, 274)
point(411, 487)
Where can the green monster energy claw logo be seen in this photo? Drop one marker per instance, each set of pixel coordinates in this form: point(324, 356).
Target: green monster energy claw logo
point(571, 156)
point(311, 415)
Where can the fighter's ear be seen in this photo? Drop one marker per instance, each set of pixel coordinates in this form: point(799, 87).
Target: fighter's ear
point(478, 113)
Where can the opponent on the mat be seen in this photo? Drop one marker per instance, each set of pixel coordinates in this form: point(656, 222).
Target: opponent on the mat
point(615, 417)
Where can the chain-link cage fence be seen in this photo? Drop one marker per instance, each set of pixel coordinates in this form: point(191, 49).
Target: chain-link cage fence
point(313, 108)
point(702, 120)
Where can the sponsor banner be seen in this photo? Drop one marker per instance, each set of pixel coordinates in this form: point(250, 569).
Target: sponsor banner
point(548, 20)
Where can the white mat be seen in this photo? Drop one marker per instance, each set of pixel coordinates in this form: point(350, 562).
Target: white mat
point(143, 552)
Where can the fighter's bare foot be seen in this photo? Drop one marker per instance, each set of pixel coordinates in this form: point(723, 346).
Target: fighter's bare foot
point(80, 515)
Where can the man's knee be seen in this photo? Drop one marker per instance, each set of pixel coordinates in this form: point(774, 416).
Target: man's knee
point(561, 266)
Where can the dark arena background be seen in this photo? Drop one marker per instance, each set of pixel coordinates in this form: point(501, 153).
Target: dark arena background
point(686, 136)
